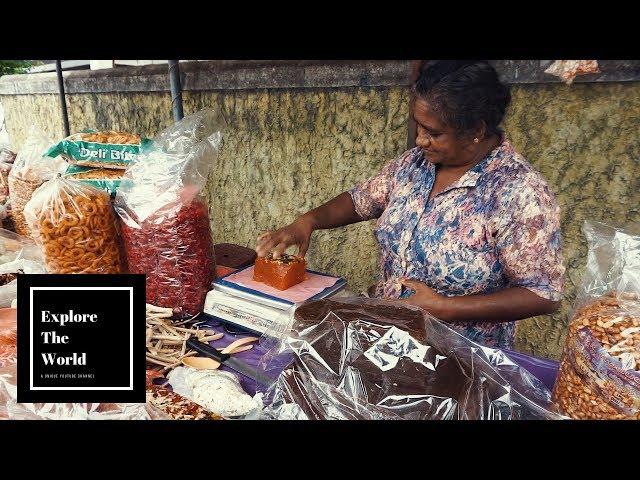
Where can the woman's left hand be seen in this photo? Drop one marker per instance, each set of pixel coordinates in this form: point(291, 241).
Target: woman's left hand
point(505, 305)
point(426, 298)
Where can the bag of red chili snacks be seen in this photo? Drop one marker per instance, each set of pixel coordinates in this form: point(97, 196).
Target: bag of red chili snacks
point(164, 216)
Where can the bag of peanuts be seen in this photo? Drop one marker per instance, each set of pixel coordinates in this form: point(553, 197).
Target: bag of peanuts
point(599, 375)
point(75, 226)
point(164, 217)
point(30, 169)
point(104, 149)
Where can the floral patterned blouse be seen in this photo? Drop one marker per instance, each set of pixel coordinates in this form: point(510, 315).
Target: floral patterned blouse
point(497, 227)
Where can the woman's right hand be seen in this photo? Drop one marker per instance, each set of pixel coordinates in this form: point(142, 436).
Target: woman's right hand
point(277, 241)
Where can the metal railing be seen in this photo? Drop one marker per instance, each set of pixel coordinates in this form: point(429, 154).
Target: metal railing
point(174, 82)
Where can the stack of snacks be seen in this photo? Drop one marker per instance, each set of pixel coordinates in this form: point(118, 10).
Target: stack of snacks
point(107, 179)
point(29, 171)
point(75, 227)
point(99, 158)
point(599, 376)
point(175, 251)
point(20, 191)
point(105, 149)
point(164, 217)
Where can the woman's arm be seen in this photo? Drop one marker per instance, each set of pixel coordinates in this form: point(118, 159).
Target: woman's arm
point(365, 201)
point(504, 306)
point(337, 212)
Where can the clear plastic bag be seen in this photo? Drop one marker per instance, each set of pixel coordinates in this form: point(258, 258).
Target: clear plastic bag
point(5, 210)
point(7, 157)
point(30, 169)
point(599, 375)
point(218, 391)
point(18, 255)
point(359, 358)
point(164, 215)
point(8, 336)
point(5, 140)
point(107, 179)
point(75, 226)
point(8, 278)
point(14, 246)
point(568, 70)
point(12, 410)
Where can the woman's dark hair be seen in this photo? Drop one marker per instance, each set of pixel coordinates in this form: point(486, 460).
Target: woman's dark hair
point(463, 93)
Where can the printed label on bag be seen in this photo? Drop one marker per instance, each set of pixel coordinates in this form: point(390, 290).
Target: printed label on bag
point(604, 373)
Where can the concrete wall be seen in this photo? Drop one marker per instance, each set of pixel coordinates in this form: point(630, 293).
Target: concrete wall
point(584, 139)
point(304, 138)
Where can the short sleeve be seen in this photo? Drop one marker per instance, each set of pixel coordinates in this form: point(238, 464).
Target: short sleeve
point(529, 241)
point(371, 197)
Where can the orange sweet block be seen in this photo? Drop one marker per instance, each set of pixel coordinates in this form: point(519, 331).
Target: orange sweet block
point(281, 273)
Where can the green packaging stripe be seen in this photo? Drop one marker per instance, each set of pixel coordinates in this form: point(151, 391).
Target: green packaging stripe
point(73, 169)
point(110, 186)
point(81, 151)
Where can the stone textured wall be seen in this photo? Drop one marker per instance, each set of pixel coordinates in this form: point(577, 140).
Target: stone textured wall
point(585, 139)
point(292, 151)
point(288, 150)
point(24, 112)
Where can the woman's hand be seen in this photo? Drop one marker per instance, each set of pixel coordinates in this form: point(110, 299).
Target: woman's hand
point(426, 298)
point(506, 305)
point(298, 233)
point(337, 212)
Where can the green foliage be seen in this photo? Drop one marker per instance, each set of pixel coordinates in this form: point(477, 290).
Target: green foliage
point(10, 67)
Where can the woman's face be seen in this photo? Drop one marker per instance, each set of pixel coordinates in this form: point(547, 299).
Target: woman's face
point(439, 142)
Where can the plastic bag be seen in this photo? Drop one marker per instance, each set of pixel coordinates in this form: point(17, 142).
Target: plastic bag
point(107, 179)
point(359, 358)
point(217, 391)
point(12, 410)
point(4, 135)
point(14, 246)
point(8, 278)
point(6, 217)
point(7, 157)
point(30, 169)
point(105, 149)
point(5, 210)
point(8, 336)
point(568, 70)
point(18, 255)
point(599, 375)
point(164, 216)
point(75, 227)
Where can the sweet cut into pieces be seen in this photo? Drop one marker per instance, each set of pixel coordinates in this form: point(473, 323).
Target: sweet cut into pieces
point(281, 273)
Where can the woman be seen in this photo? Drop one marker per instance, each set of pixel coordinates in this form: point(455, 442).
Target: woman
point(464, 222)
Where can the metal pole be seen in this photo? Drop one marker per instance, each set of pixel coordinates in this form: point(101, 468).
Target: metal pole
point(176, 90)
point(63, 102)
